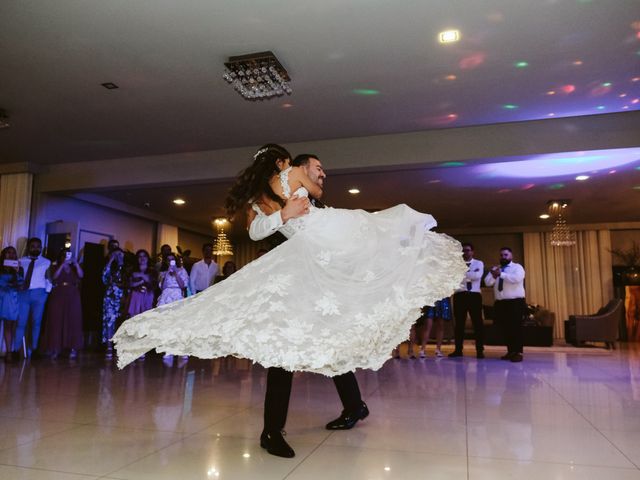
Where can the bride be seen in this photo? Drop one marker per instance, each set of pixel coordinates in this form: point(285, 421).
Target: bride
point(340, 294)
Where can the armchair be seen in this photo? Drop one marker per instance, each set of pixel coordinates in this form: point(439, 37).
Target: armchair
point(601, 327)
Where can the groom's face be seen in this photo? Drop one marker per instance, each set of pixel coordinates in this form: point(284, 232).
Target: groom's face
point(315, 172)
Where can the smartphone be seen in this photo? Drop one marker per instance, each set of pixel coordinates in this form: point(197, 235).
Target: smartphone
point(11, 263)
point(172, 263)
point(67, 256)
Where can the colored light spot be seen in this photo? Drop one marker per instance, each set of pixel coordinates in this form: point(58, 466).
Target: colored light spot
point(600, 107)
point(449, 36)
point(611, 172)
point(510, 106)
point(544, 216)
point(551, 92)
point(179, 201)
point(626, 107)
point(287, 105)
point(365, 91)
point(504, 190)
point(556, 186)
point(582, 178)
point(622, 95)
point(450, 77)
point(551, 114)
point(453, 164)
point(606, 84)
point(577, 63)
point(472, 61)
point(568, 89)
point(528, 186)
point(434, 181)
point(637, 168)
point(521, 64)
point(635, 79)
point(635, 101)
point(452, 116)
point(354, 191)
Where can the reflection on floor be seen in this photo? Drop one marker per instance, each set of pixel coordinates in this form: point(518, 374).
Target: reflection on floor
point(556, 416)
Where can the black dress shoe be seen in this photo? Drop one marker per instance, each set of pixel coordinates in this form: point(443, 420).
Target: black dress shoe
point(347, 420)
point(276, 445)
point(455, 353)
point(480, 355)
point(506, 357)
point(516, 357)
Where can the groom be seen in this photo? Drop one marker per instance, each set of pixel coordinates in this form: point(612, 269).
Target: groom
point(276, 402)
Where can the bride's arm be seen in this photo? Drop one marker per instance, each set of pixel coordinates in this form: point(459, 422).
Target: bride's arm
point(298, 178)
point(262, 226)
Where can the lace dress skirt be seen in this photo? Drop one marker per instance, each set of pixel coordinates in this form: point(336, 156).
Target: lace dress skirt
point(339, 295)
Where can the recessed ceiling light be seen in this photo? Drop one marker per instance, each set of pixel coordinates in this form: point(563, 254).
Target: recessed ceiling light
point(450, 77)
point(109, 85)
point(577, 62)
point(287, 105)
point(600, 107)
point(551, 92)
point(582, 178)
point(179, 201)
point(551, 114)
point(246, 455)
point(544, 216)
point(622, 95)
point(354, 191)
point(510, 106)
point(449, 36)
point(521, 64)
point(606, 84)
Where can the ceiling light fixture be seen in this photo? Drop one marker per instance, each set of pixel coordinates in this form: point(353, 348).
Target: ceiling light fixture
point(257, 76)
point(179, 201)
point(449, 36)
point(560, 236)
point(354, 191)
point(221, 244)
point(544, 216)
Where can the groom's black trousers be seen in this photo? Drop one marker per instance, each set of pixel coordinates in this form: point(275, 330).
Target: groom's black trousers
point(276, 400)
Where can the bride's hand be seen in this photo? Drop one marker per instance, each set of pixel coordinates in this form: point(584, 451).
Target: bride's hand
point(294, 208)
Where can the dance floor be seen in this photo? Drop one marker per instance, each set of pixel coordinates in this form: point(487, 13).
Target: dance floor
point(557, 415)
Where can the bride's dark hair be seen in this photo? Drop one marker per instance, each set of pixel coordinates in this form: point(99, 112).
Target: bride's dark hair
point(253, 181)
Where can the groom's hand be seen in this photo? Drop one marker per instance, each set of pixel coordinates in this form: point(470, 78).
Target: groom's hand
point(294, 208)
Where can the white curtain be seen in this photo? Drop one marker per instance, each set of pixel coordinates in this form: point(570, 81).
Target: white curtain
point(569, 280)
point(167, 234)
point(15, 208)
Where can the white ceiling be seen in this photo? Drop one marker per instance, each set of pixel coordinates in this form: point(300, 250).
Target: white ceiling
point(167, 58)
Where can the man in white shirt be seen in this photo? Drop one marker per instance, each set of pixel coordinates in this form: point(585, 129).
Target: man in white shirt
point(33, 296)
point(507, 280)
point(204, 272)
point(276, 402)
point(468, 300)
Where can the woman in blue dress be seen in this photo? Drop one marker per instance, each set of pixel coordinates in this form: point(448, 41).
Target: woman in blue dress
point(11, 278)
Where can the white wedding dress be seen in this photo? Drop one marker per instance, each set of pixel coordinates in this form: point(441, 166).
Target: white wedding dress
point(340, 294)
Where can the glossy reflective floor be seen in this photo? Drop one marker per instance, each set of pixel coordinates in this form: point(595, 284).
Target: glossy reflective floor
point(555, 416)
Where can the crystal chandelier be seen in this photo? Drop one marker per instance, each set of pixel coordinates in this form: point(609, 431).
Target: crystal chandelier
point(561, 236)
point(257, 76)
point(221, 244)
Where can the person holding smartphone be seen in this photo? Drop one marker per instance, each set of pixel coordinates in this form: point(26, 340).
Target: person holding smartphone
point(173, 280)
point(113, 277)
point(63, 328)
point(11, 278)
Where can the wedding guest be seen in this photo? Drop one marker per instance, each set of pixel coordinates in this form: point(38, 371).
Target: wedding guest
point(113, 277)
point(173, 281)
point(507, 280)
point(63, 328)
point(142, 282)
point(203, 273)
point(165, 250)
point(228, 269)
point(437, 315)
point(33, 295)
point(11, 279)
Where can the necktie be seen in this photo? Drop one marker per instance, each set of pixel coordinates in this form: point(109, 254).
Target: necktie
point(27, 278)
point(469, 283)
point(501, 281)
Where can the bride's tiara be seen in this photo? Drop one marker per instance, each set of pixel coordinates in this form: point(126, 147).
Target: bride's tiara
point(260, 152)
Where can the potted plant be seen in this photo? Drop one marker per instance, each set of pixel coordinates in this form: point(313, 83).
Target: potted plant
point(631, 260)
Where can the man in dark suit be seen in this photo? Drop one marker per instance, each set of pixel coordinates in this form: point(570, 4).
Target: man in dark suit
point(276, 402)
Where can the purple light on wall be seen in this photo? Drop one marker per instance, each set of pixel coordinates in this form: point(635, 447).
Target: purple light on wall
point(560, 164)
